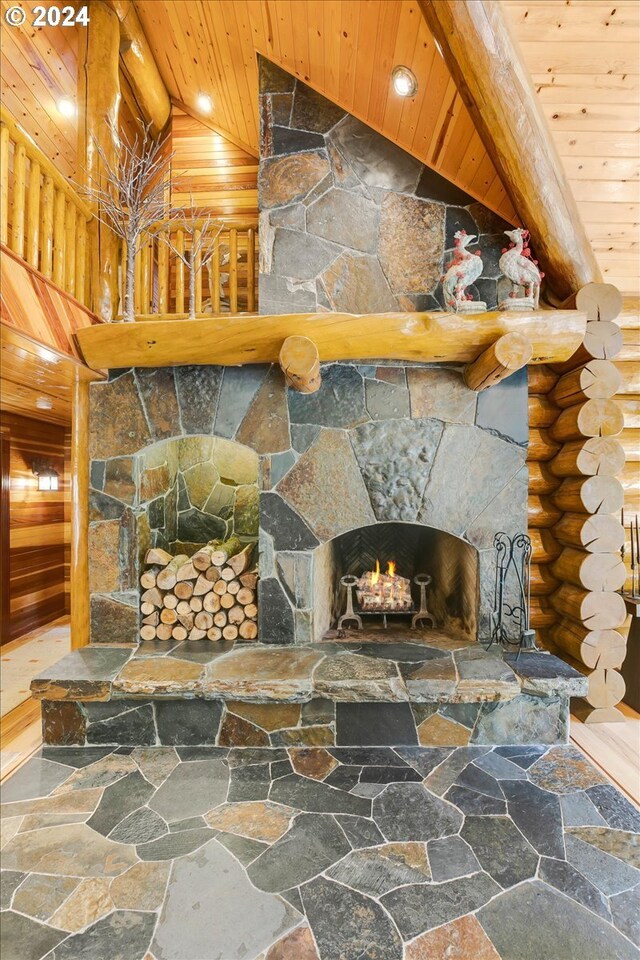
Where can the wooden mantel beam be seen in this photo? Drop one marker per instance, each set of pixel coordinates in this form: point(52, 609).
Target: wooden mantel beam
point(487, 68)
point(431, 337)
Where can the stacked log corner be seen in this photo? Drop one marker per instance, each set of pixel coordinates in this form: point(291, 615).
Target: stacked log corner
point(211, 595)
point(575, 498)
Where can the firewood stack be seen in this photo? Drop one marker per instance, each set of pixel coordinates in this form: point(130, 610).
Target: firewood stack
point(210, 595)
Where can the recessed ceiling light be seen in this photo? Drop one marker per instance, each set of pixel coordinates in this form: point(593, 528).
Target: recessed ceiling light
point(404, 81)
point(204, 103)
point(67, 107)
point(43, 403)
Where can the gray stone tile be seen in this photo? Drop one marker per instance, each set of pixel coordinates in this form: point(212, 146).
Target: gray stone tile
point(546, 675)
point(348, 925)
point(10, 880)
point(118, 801)
point(244, 849)
point(501, 849)
point(499, 767)
point(534, 921)
point(131, 725)
point(618, 843)
point(239, 386)
point(338, 403)
point(470, 802)
point(607, 873)
point(184, 722)
point(310, 846)
point(37, 778)
point(448, 771)
point(451, 857)
point(523, 719)
point(198, 389)
point(360, 831)
point(579, 811)
point(190, 823)
point(375, 160)
point(300, 256)
point(228, 917)
point(173, 845)
point(503, 409)
point(22, 938)
point(123, 933)
point(81, 672)
point(74, 756)
point(474, 778)
point(280, 521)
point(376, 871)
point(566, 879)
point(377, 724)
point(191, 789)
point(316, 797)
point(616, 810)
point(100, 773)
point(537, 814)
point(345, 218)
point(386, 401)
point(141, 826)
point(41, 894)
point(625, 911)
point(424, 759)
point(417, 908)
point(407, 811)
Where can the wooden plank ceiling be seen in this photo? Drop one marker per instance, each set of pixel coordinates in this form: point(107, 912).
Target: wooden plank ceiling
point(584, 59)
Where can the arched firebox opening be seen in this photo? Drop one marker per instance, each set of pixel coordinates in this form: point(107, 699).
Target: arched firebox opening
point(401, 552)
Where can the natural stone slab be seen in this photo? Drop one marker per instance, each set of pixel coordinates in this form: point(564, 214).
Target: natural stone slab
point(377, 871)
point(607, 873)
point(564, 770)
point(534, 921)
point(184, 722)
point(566, 879)
point(257, 820)
point(10, 880)
point(123, 723)
point(117, 424)
point(40, 895)
point(417, 908)
point(156, 763)
point(85, 673)
point(614, 807)
point(305, 794)
point(142, 887)
point(72, 850)
point(227, 915)
point(174, 844)
point(286, 179)
point(499, 767)
point(439, 731)
point(407, 811)
point(197, 389)
point(377, 724)
point(451, 857)
point(411, 244)
point(501, 849)
point(433, 680)
point(37, 778)
point(386, 401)
point(89, 902)
point(266, 715)
point(193, 788)
point(523, 719)
point(326, 488)
point(440, 393)
point(265, 427)
point(118, 801)
point(459, 940)
point(299, 255)
point(618, 843)
point(77, 803)
point(262, 673)
point(22, 938)
point(355, 283)
point(625, 913)
point(348, 925)
point(122, 933)
point(345, 218)
point(351, 677)
point(140, 826)
point(546, 675)
point(474, 778)
point(360, 831)
point(297, 945)
point(313, 762)
point(471, 802)
point(284, 525)
point(448, 771)
point(395, 464)
point(312, 844)
point(157, 676)
point(338, 403)
point(375, 160)
point(237, 732)
point(312, 111)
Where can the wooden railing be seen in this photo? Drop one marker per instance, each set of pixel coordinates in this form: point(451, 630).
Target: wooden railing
point(225, 283)
point(42, 218)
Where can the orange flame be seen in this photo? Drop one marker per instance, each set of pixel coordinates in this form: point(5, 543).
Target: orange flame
point(391, 568)
point(375, 574)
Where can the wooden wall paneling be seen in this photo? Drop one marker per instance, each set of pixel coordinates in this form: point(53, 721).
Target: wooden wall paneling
point(5, 493)
point(36, 526)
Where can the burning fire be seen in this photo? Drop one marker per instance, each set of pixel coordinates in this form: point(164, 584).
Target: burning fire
point(384, 591)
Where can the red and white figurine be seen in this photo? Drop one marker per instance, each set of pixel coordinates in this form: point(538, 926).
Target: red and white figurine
point(464, 269)
point(518, 266)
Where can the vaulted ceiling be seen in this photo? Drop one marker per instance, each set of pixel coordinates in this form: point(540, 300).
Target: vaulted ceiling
point(582, 56)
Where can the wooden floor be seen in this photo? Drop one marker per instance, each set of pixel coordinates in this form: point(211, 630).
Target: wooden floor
point(614, 748)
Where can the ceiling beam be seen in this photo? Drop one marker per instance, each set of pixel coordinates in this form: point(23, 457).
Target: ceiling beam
point(491, 78)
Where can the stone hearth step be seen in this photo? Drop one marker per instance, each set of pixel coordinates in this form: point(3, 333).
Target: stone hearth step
point(373, 688)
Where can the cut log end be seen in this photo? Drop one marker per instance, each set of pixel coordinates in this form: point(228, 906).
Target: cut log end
point(508, 354)
point(300, 363)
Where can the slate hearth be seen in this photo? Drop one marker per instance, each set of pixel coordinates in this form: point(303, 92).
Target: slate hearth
point(373, 688)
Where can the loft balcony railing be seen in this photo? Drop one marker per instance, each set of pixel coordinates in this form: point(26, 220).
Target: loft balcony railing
point(224, 283)
point(42, 218)
point(46, 223)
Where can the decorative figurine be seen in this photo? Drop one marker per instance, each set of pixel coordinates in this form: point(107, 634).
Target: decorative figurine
point(463, 270)
point(518, 267)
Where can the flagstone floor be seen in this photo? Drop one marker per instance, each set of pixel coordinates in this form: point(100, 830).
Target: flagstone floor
point(413, 853)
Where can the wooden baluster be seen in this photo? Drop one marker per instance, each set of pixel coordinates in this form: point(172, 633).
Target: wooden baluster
point(81, 260)
point(215, 276)
point(137, 286)
point(46, 227)
point(251, 270)
point(233, 270)
point(33, 213)
point(4, 182)
point(163, 276)
point(198, 269)
point(70, 250)
point(179, 307)
point(18, 206)
point(59, 211)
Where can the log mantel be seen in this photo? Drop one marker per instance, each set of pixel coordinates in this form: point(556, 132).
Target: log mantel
point(424, 337)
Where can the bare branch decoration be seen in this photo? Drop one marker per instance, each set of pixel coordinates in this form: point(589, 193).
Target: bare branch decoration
point(131, 197)
point(200, 231)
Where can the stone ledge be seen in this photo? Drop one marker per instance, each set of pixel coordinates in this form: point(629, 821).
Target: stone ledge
point(426, 670)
